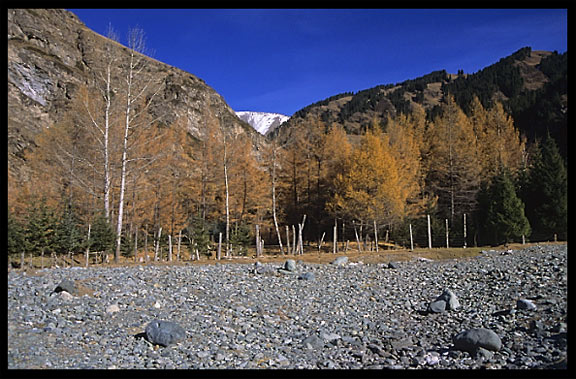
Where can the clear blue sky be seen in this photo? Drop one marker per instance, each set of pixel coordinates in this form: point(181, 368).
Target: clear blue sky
point(276, 60)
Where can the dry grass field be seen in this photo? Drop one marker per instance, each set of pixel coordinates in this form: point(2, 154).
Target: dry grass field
point(311, 255)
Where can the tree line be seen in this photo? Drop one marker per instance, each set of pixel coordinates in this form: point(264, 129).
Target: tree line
point(111, 177)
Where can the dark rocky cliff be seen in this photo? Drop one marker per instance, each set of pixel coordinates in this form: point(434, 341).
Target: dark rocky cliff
point(51, 53)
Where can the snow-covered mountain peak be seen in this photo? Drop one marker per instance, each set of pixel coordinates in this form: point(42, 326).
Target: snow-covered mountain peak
point(262, 121)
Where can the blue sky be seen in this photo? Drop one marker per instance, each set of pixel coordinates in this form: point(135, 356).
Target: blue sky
point(280, 60)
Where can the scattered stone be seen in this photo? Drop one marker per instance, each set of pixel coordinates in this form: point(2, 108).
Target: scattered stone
point(393, 265)
point(437, 306)
point(446, 301)
point(307, 276)
point(472, 339)
point(66, 285)
point(290, 265)
point(340, 261)
point(313, 342)
point(270, 321)
point(113, 308)
point(164, 333)
point(526, 304)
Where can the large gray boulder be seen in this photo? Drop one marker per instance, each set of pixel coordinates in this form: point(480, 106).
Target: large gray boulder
point(164, 333)
point(472, 339)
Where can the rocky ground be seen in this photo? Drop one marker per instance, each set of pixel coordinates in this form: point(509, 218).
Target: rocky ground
point(307, 315)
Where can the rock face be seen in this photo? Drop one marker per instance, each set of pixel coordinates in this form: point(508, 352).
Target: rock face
point(51, 53)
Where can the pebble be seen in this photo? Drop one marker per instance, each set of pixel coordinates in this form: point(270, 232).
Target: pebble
point(234, 317)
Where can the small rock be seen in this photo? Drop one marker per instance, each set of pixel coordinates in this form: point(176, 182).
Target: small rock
point(164, 333)
point(472, 339)
point(290, 265)
point(112, 308)
point(526, 304)
point(307, 276)
point(340, 261)
point(66, 285)
point(437, 306)
point(313, 342)
point(66, 296)
point(392, 265)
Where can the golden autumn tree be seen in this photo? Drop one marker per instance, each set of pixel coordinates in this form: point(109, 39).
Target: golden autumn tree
point(368, 188)
point(453, 168)
point(405, 135)
point(505, 140)
point(498, 142)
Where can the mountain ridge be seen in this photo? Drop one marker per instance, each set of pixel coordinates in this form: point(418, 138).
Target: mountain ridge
point(522, 81)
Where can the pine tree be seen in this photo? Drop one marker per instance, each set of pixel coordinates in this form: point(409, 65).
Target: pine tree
point(102, 235)
point(16, 235)
point(502, 214)
point(546, 193)
point(67, 233)
point(40, 230)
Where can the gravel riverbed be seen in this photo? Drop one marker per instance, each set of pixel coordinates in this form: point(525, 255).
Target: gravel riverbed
point(326, 316)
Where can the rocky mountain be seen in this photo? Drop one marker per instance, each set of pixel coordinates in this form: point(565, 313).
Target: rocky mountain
point(532, 85)
point(263, 122)
point(51, 54)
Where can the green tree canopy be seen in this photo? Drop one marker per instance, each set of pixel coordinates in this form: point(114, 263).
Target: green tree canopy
point(502, 212)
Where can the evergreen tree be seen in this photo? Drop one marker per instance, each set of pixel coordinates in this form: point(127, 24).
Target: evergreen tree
point(40, 230)
point(16, 236)
point(101, 236)
point(501, 211)
point(546, 193)
point(67, 233)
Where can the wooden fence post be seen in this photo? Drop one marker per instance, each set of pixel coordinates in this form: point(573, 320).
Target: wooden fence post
point(179, 241)
point(447, 245)
point(429, 233)
point(411, 240)
point(287, 239)
point(88, 245)
point(465, 243)
point(376, 235)
point(219, 246)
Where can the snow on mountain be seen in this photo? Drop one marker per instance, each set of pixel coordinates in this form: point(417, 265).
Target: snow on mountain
point(262, 121)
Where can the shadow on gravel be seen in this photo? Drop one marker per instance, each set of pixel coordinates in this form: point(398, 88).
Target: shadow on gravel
point(140, 335)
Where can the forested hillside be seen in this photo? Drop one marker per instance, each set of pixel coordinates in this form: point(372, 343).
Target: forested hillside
point(531, 85)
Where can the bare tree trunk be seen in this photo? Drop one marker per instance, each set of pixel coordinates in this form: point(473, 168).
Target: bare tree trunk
point(227, 200)
point(288, 251)
point(357, 239)
point(169, 248)
point(321, 241)
point(179, 241)
point(411, 240)
point(258, 252)
point(376, 235)
point(219, 253)
point(465, 243)
point(274, 198)
point(294, 246)
point(88, 245)
point(335, 239)
point(157, 247)
point(447, 244)
point(429, 233)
